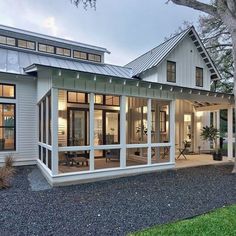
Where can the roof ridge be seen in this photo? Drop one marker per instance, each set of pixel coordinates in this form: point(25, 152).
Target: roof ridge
point(161, 44)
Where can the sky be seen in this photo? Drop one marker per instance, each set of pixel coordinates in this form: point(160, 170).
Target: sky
point(127, 28)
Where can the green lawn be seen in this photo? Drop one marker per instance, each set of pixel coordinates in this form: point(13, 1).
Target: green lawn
point(220, 222)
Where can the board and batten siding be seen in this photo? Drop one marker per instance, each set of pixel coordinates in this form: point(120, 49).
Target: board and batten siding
point(26, 121)
point(187, 58)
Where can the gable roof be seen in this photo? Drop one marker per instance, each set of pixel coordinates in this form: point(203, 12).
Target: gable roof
point(156, 55)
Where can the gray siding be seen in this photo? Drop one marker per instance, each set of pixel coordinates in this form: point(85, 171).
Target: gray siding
point(26, 121)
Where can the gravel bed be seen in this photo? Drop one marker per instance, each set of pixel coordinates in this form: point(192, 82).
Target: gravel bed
point(113, 207)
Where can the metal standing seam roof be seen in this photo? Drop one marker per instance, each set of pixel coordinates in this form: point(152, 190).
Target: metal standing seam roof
point(17, 62)
point(156, 55)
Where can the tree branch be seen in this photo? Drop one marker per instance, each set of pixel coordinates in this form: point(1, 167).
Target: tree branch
point(197, 5)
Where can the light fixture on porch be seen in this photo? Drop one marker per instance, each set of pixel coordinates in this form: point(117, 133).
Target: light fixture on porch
point(95, 78)
point(137, 84)
point(223, 96)
point(199, 93)
point(59, 73)
point(124, 83)
point(110, 80)
point(190, 91)
point(215, 95)
point(229, 97)
point(150, 86)
point(77, 75)
point(161, 87)
point(171, 89)
point(207, 94)
point(181, 90)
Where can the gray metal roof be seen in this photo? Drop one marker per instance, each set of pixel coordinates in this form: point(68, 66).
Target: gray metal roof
point(155, 56)
point(12, 30)
point(15, 61)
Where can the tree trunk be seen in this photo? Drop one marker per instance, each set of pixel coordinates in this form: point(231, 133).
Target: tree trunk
point(233, 34)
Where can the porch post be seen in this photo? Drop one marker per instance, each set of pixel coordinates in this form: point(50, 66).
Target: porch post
point(91, 131)
point(149, 132)
point(230, 132)
point(54, 105)
point(172, 131)
point(123, 131)
point(47, 127)
point(218, 124)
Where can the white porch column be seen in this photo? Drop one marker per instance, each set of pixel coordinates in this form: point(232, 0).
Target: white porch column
point(172, 131)
point(149, 131)
point(123, 131)
point(47, 127)
point(54, 107)
point(91, 131)
point(218, 125)
point(230, 132)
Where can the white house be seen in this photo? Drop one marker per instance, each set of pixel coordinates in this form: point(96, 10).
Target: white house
point(79, 119)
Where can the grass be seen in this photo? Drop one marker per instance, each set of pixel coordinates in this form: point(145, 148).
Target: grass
point(219, 222)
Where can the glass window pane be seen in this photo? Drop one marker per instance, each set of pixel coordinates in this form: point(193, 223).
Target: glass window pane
point(50, 49)
point(91, 57)
point(22, 43)
point(59, 51)
point(67, 52)
point(11, 41)
point(7, 139)
point(71, 96)
point(3, 40)
point(31, 45)
point(8, 91)
point(42, 47)
point(98, 99)
point(136, 120)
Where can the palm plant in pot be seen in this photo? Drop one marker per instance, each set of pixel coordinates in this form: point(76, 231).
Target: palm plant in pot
point(210, 133)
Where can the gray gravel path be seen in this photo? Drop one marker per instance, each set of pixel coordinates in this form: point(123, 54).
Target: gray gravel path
point(114, 207)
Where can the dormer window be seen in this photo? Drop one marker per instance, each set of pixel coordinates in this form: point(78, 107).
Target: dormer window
point(46, 48)
point(199, 77)
point(171, 71)
point(26, 44)
point(7, 41)
point(80, 55)
point(94, 57)
point(63, 51)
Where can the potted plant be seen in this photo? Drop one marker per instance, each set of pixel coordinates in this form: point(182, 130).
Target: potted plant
point(211, 134)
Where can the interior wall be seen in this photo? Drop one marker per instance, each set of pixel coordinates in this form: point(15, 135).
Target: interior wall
point(198, 121)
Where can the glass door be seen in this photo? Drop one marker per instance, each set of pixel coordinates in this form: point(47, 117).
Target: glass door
point(77, 127)
point(111, 127)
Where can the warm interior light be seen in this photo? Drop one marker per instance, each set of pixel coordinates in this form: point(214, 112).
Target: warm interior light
point(187, 118)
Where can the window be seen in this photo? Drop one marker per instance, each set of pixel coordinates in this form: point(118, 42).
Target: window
point(171, 71)
point(7, 91)
point(63, 51)
point(7, 127)
point(80, 55)
point(87, 56)
point(26, 44)
point(46, 48)
point(7, 41)
point(94, 57)
point(75, 97)
point(112, 100)
point(162, 121)
point(199, 77)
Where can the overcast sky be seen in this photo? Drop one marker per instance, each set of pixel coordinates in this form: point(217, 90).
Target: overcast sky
point(127, 28)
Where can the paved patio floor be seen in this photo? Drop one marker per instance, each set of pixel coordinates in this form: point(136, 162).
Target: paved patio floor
point(199, 160)
point(114, 207)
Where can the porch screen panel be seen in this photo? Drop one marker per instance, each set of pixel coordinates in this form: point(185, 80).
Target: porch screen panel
point(136, 120)
point(160, 122)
